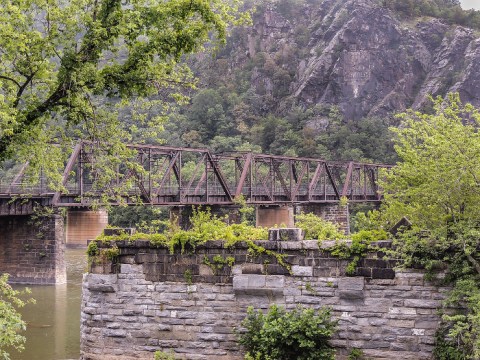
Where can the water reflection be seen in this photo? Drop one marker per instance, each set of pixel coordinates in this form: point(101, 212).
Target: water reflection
point(53, 331)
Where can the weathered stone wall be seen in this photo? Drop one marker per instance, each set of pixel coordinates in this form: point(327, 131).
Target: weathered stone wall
point(32, 249)
point(152, 300)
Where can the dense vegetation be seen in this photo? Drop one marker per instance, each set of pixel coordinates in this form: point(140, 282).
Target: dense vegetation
point(224, 120)
point(448, 10)
point(436, 186)
point(299, 334)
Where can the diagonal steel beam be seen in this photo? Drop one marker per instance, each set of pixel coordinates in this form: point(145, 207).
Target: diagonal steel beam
point(243, 176)
point(348, 180)
point(18, 177)
point(316, 176)
point(71, 162)
point(276, 168)
point(166, 174)
point(299, 180)
point(332, 181)
point(218, 173)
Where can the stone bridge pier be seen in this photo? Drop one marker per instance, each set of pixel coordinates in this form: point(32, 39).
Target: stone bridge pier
point(32, 246)
point(83, 225)
point(32, 249)
point(270, 216)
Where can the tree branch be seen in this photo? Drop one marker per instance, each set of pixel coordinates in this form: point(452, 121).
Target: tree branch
point(10, 79)
point(474, 262)
point(23, 87)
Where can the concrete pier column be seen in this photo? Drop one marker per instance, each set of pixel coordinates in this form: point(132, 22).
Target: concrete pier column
point(83, 225)
point(334, 213)
point(269, 216)
point(32, 249)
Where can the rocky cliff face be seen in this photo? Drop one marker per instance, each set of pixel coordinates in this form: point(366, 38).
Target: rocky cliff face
point(354, 54)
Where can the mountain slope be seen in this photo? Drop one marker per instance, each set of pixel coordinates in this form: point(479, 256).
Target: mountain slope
point(355, 54)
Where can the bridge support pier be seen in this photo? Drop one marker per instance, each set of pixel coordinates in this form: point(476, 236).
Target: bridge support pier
point(269, 216)
point(32, 249)
point(334, 213)
point(83, 225)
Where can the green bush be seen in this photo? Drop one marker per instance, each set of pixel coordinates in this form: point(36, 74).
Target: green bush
point(205, 227)
point(356, 354)
point(161, 355)
point(300, 334)
point(317, 228)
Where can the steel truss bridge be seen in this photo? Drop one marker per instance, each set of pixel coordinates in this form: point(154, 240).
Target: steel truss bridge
point(169, 176)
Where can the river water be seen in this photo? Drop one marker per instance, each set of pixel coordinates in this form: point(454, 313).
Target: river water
point(53, 323)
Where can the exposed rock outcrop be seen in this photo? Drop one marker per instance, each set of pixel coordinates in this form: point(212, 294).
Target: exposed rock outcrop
point(357, 55)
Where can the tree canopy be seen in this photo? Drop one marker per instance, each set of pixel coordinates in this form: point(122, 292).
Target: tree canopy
point(96, 69)
point(436, 186)
point(436, 182)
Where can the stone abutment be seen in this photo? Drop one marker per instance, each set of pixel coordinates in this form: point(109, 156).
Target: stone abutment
point(149, 299)
point(32, 249)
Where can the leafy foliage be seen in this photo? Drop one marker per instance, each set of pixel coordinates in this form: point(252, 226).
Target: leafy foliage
point(435, 185)
point(204, 227)
point(299, 334)
point(11, 323)
point(105, 71)
point(356, 354)
point(317, 228)
point(137, 216)
point(162, 355)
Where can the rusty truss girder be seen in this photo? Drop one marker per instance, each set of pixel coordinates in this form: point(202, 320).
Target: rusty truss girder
point(162, 175)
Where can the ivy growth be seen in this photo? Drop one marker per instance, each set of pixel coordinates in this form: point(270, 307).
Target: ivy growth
point(218, 262)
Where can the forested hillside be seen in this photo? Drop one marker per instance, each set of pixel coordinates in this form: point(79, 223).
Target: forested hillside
point(323, 78)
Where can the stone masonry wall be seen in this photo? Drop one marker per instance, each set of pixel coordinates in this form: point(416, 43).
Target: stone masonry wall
point(32, 250)
point(153, 300)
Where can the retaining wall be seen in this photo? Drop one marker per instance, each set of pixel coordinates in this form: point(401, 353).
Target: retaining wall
point(153, 300)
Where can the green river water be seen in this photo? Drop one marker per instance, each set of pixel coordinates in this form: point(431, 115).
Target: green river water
point(53, 330)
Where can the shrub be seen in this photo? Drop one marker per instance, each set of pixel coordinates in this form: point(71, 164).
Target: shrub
point(299, 334)
point(161, 355)
point(317, 228)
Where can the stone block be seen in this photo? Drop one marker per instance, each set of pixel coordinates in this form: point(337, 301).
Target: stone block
point(382, 273)
point(353, 283)
point(285, 234)
point(275, 269)
point(351, 294)
point(131, 269)
point(418, 303)
point(252, 269)
point(256, 281)
point(275, 281)
point(101, 288)
point(302, 270)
